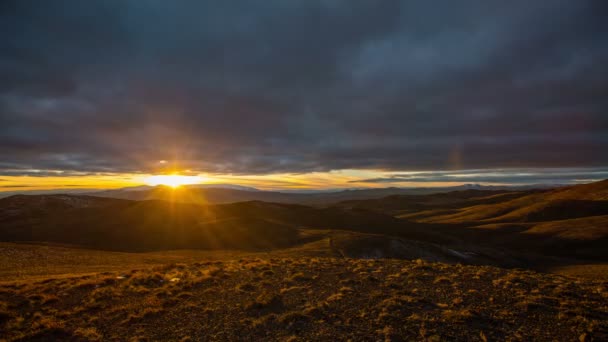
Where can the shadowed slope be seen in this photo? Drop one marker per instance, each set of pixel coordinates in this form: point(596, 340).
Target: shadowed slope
point(403, 204)
point(137, 226)
point(158, 225)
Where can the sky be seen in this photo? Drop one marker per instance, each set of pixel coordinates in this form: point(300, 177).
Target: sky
point(302, 94)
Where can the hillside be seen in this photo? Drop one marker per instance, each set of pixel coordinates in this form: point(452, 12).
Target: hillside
point(563, 203)
point(504, 224)
point(140, 226)
point(147, 225)
point(159, 225)
point(403, 204)
point(567, 222)
point(33, 262)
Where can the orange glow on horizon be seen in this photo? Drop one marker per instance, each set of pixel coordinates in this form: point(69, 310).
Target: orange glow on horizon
point(272, 182)
point(172, 180)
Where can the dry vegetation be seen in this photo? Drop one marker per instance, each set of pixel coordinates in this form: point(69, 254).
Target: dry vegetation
point(304, 298)
point(308, 273)
point(41, 261)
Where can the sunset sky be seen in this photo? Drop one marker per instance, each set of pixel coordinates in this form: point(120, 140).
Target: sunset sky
point(302, 94)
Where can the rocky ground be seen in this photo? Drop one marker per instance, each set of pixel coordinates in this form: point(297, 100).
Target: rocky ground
point(292, 299)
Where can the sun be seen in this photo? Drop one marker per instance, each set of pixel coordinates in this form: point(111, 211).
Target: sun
point(173, 181)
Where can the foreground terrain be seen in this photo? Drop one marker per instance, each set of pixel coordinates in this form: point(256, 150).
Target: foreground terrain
point(307, 299)
point(465, 265)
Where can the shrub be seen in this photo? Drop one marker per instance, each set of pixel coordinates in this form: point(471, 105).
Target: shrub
point(298, 277)
point(266, 301)
point(88, 334)
point(292, 289)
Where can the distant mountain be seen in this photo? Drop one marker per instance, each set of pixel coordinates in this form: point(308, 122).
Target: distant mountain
point(224, 186)
point(45, 192)
point(32, 206)
point(190, 186)
point(218, 194)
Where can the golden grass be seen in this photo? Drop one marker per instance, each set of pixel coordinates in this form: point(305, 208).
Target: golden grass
point(307, 299)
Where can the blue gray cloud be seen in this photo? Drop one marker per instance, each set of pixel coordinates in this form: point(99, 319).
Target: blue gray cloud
point(299, 86)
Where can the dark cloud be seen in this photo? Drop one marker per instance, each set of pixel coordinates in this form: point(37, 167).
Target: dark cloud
point(298, 86)
point(508, 176)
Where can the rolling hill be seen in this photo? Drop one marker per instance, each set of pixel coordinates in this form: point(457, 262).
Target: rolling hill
point(563, 203)
point(114, 224)
point(138, 226)
point(531, 222)
point(570, 221)
point(221, 195)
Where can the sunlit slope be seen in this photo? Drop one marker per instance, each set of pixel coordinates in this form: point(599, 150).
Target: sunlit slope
point(563, 203)
point(597, 191)
point(583, 229)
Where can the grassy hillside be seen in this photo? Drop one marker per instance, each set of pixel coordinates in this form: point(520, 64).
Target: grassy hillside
point(597, 191)
point(29, 262)
point(464, 221)
point(568, 222)
point(563, 203)
point(307, 299)
point(23, 261)
point(494, 206)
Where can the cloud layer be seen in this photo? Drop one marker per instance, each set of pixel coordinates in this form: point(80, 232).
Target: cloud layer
point(508, 176)
point(256, 87)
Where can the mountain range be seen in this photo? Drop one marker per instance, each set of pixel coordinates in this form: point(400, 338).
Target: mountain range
point(227, 193)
